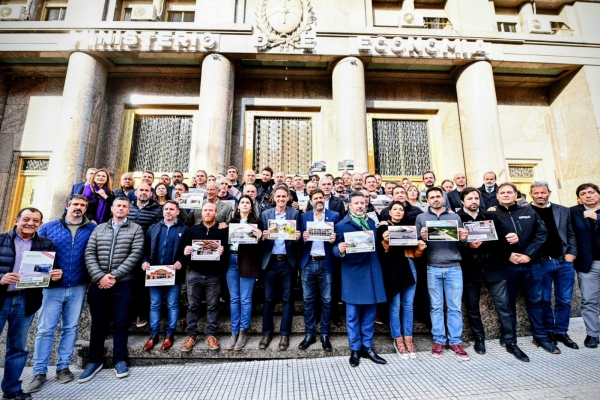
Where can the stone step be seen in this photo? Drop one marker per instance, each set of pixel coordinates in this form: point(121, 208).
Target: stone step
point(382, 343)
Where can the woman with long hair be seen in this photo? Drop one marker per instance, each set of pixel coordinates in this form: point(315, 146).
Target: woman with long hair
point(100, 196)
point(400, 278)
point(244, 267)
point(413, 194)
point(161, 194)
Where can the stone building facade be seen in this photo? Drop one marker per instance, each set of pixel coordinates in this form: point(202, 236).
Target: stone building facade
point(397, 86)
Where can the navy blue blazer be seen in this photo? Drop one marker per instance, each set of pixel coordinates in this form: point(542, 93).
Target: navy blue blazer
point(78, 188)
point(585, 237)
point(362, 278)
point(330, 216)
point(290, 245)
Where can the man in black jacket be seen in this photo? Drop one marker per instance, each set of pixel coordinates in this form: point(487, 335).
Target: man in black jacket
point(586, 225)
point(332, 203)
point(557, 255)
point(481, 263)
point(489, 190)
point(205, 276)
point(460, 180)
point(18, 306)
point(523, 233)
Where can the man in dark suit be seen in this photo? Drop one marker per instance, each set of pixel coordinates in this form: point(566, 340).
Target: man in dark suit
point(586, 225)
point(317, 265)
point(489, 191)
point(78, 187)
point(460, 180)
point(362, 281)
point(332, 203)
point(557, 254)
point(279, 263)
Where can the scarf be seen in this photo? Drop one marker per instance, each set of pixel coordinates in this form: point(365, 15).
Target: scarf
point(94, 198)
point(360, 221)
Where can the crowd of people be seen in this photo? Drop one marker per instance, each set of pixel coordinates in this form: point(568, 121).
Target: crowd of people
point(110, 236)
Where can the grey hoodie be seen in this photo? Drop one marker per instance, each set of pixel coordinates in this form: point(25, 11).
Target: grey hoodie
point(441, 254)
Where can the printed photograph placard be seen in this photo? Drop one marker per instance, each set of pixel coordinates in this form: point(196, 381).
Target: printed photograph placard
point(320, 231)
point(403, 235)
point(481, 230)
point(35, 269)
point(373, 215)
point(302, 201)
point(381, 201)
point(160, 275)
point(281, 229)
point(442, 231)
point(206, 250)
point(242, 234)
point(191, 200)
point(318, 166)
point(346, 165)
point(359, 242)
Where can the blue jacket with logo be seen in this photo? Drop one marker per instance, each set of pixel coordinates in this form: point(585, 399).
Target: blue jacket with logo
point(70, 252)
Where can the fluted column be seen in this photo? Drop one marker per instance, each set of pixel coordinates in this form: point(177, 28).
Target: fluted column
point(479, 122)
point(213, 141)
point(350, 112)
point(75, 148)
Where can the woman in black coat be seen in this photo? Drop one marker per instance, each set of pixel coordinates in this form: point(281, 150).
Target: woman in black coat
point(400, 280)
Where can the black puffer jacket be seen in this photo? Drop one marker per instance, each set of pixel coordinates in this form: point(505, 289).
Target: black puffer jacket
point(33, 297)
point(147, 216)
point(118, 255)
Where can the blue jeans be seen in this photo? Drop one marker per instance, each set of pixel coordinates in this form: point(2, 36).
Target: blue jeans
point(531, 277)
point(13, 312)
point(562, 274)
point(405, 300)
point(157, 293)
point(360, 323)
point(240, 296)
point(283, 272)
point(65, 302)
point(316, 276)
point(446, 281)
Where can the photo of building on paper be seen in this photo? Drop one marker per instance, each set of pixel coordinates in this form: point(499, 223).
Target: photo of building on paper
point(35, 269)
point(319, 231)
point(481, 230)
point(282, 229)
point(206, 249)
point(442, 231)
point(359, 242)
point(160, 275)
point(242, 233)
point(403, 235)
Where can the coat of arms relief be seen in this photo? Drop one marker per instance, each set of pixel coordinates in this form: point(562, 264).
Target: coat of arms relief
point(287, 24)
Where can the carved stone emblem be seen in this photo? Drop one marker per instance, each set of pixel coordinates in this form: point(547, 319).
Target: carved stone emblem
point(537, 24)
point(283, 23)
point(5, 11)
point(409, 18)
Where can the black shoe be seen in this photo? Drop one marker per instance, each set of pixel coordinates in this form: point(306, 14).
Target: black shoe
point(308, 340)
point(354, 358)
point(566, 340)
point(546, 345)
point(513, 349)
point(552, 338)
point(326, 343)
point(479, 346)
point(591, 342)
point(17, 396)
point(371, 355)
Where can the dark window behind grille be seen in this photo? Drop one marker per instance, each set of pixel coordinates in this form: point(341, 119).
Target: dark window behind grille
point(283, 144)
point(161, 143)
point(401, 147)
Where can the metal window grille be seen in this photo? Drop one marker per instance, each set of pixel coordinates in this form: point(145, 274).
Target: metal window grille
point(284, 144)
point(161, 143)
point(520, 172)
point(34, 164)
point(401, 147)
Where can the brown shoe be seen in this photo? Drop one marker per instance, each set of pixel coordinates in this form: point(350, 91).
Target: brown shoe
point(264, 342)
point(188, 343)
point(284, 343)
point(168, 343)
point(410, 347)
point(231, 342)
point(213, 343)
point(241, 340)
point(151, 343)
point(141, 322)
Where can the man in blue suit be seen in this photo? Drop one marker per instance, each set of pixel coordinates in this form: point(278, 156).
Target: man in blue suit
point(317, 265)
point(279, 263)
point(362, 282)
point(78, 187)
point(586, 224)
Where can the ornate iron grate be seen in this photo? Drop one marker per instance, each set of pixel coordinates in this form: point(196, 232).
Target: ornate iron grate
point(520, 172)
point(401, 147)
point(161, 143)
point(35, 164)
point(284, 144)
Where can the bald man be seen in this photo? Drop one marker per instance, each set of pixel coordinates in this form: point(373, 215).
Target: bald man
point(460, 180)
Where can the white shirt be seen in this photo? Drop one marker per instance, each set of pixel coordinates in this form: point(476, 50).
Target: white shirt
point(318, 248)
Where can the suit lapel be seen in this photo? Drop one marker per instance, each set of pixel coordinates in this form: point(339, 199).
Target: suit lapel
point(556, 212)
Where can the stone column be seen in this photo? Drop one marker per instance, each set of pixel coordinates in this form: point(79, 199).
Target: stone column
point(75, 148)
point(479, 122)
point(350, 113)
point(213, 137)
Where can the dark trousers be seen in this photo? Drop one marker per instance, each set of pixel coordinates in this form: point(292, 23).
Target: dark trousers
point(530, 277)
point(278, 271)
point(107, 304)
point(210, 286)
point(141, 295)
point(316, 278)
point(498, 292)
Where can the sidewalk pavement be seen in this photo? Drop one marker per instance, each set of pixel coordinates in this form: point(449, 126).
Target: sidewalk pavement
point(574, 374)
